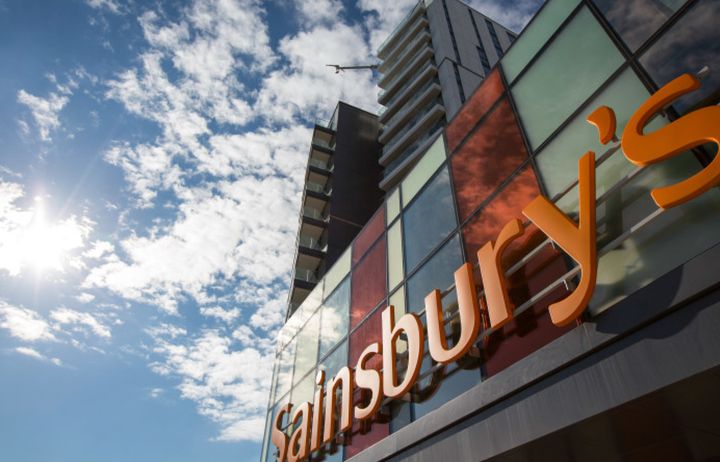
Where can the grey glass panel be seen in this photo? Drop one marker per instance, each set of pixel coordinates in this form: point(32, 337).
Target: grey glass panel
point(336, 361)
point(574, 65)
point(665, 243)
point(444, 385)
point(428, 220)
point(437, 273)
point(636, 20)
point(688, 46)
point(334, 318)
point(557, 162)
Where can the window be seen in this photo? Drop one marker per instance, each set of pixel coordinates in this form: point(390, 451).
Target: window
point(489, 156)
point(395, 255)
point(428, 220)
point(479, 103)
point(688, 46)
point(578, 61)
point(635, 21)
point(437, 273)
point(369, 234)
point(368, 283)
point(334, 317)
point(307, 347)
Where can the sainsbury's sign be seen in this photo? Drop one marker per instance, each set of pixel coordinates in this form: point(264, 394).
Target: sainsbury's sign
point(316, 423)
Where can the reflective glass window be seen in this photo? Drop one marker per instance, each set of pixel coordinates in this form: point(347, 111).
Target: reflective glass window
point(337, 273)
point(573, 66)
point(369, 283)
point(395, 255)
point(689, 45)
point(335, 361)
point(540, 29)
point(557, 161)
point(491, 154)
point(334, 317)
point(304, 389)
point(393, 205)
point(428, 220)
point(636, 20)
point(474, 109)
point(368, 332)
point(285, 370)
point(424, 169)
point(307, 347)
point(437, 273)
point(369, 234)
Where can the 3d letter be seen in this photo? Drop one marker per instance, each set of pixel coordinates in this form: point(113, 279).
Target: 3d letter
point(410, 324)
point(500, 307)
point(316, 439)
point(301, 436)
point(345, 378)
point(369, 379)
point(698, 127)
point(279, 438)
point(579, 241)
point(469, 318)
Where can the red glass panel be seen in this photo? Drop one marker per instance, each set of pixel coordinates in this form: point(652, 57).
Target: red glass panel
point(369, 234)
point(368, 285)
point(473, 110)
point(532, 329)
point(491, 154)
point(365, 434)
point(369, 331)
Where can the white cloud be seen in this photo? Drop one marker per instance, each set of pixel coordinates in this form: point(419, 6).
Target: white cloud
point(228, 385)
point(227, 316)
point(384, 17)
point(24, 324)
point(80, 321)
point(313, 12)
point(32, 353)
point(85, 297)
point(514, 16)
point(109, 5)
point(45, 112)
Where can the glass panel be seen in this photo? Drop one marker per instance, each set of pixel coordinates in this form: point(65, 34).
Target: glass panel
point(285, 370)
point(335, 315)
point(558, 160)
point(337, 273)
point(418, 176)
point(369, 283)
point(335, 361)
point(491, 154)
point(421, 234)
point(369, 234)
point(303, 391)
point(671, 239)
point(635, 21)
point(508, 204)
point(688, 46)
point(266, 438)
point(580, 59)
point(535, 35)
point(307, 347)
point(397, 299)
point(393, 205)
point(472, 111)
point(443, 385)
point(395, 254)
point(437, 273)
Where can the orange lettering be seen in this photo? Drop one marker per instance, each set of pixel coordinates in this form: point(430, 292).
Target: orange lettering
point(411, 325)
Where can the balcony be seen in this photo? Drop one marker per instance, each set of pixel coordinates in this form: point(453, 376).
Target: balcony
point(419, 84)
point(321, 166)
point(404, 58)
point(313, 213)
point(408, 74)
point(411, 112)
point(305, 275)
point(395, 39)
point(396, 170)
point(400, 144)
point(312, 243)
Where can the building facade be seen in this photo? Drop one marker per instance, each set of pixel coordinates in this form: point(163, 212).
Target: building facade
point(433, 60)
point(635, 374)
point(340, 194)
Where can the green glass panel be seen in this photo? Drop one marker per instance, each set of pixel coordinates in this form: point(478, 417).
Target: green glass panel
point(418, 176)
point(395, 255)
point(535, 35)
point(557, 162)
point(578, 61)
point(337, 273)
point(393, 205)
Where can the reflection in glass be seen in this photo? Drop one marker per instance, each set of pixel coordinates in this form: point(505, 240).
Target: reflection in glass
point(285, 369)
point(491, 154)
point(635, 21)
point(557, 161)
point(574, 65)
point(307, 347)
point(428, 220)
point(474, 109)
point(688, 46)
point(334, 317)
point(335, 361)
point(437, 273)
point(369, 234)
point(369, 283)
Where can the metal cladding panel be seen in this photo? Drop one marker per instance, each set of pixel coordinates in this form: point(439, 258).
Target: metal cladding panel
point(465, 36)
point(487, 39)
point(450, 90)
point(441, 38)
point(470, 81)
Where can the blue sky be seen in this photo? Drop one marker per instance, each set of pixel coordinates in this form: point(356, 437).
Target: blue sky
point(151, 157)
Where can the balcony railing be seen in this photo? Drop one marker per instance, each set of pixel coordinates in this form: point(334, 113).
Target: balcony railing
point(304, 274)
point(396, 127)
point(311, 243)
point(313, 213)
point(416, 68)
point(321, 164)
point(393, 35)
point(324, 144)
